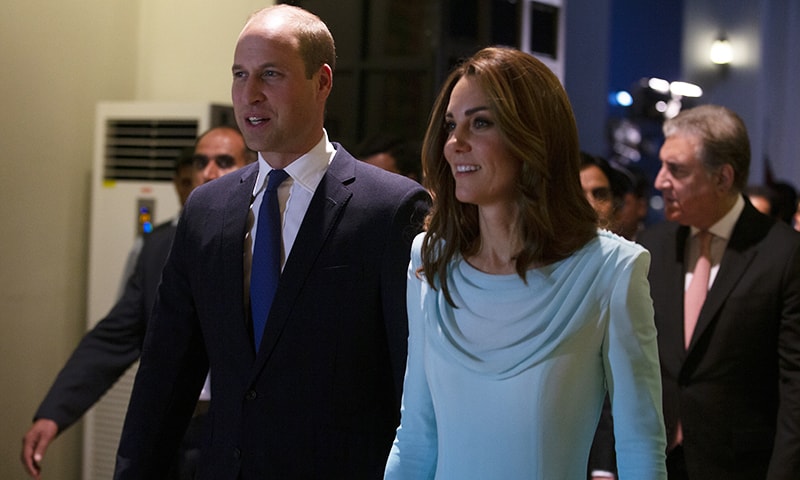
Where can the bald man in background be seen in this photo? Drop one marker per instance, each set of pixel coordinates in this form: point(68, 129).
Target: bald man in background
point(114, 344)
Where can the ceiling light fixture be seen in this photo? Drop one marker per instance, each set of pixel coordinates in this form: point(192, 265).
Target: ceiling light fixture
point(721, 51)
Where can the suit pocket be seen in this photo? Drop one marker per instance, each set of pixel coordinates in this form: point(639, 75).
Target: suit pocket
point(335, 274)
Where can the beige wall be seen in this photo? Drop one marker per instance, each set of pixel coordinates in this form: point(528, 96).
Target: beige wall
point(58, 60)
point(186, 48)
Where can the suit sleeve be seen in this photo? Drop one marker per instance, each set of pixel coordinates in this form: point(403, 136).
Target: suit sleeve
point(408, 222)
point(171, 373)
point(785, 461)
point(101, 357)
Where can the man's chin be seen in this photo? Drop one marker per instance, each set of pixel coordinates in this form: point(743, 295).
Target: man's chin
point(672, 216)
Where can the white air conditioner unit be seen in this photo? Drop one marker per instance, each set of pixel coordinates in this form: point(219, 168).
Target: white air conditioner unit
point(135, 148)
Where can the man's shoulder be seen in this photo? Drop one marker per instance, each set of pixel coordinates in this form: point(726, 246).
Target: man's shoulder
point(224, 185)
point(387, 180)
point(756, 229)
point(364, 175)
point(371, 189)
point(163, 229)
point(781, 234)
point(157, 243)
point(658, 233)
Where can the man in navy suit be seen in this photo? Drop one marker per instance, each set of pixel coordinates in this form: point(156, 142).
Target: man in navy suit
point(731, 380)
point(107, 351)
point(320, 397)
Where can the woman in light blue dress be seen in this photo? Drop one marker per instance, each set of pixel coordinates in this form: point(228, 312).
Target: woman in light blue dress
point(521, 313)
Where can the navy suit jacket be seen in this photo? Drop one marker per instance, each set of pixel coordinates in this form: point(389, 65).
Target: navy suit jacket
point(115, 343)
point(736, 390)
point(322, 397)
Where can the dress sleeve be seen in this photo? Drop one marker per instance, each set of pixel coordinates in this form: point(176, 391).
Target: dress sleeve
point(633, 374)
point(414, 451)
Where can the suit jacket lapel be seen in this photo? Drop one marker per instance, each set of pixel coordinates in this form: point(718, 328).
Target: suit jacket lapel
point(674, 272)
point(739, 254)
point(234, 223)
point(319, 222)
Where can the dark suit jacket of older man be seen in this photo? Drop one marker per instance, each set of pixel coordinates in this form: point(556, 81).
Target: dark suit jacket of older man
point(736, 389)
point(321, 399)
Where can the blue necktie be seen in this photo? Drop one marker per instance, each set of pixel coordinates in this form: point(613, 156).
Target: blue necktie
point(266, 264)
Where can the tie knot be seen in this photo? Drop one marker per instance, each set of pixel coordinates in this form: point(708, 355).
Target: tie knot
point(704, 237)
point(276, 177)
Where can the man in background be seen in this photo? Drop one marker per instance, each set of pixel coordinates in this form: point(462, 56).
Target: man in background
point(725, 281)
point(631, 213)
point(393, 154)
point(115, 342)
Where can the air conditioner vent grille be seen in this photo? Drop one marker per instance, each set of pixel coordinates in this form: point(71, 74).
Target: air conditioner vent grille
point(145, 149)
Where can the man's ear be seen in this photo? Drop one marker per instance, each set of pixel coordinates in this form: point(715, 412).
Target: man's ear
point(325, 80)
point(725, 177)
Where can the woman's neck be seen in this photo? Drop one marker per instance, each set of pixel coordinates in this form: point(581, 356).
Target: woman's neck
point(499, 245)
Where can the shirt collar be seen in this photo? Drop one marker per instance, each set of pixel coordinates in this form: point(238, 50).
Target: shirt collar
point(307, 171)
point(724, 227)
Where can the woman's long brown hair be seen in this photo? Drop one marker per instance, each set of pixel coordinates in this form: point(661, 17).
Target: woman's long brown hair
point(535, 118)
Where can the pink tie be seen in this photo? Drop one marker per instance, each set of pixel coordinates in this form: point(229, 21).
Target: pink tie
point(698, 287)
point(692, 303)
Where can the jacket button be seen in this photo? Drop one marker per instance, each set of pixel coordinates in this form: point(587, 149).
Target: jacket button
point(251, 395)
point(237, 454)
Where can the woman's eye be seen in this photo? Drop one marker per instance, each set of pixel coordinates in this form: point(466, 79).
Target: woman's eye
point(449, 126)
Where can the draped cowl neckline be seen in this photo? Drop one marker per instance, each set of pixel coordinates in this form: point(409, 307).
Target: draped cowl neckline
point(503, 326)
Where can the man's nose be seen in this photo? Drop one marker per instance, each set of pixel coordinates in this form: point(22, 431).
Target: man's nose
point(210, 172)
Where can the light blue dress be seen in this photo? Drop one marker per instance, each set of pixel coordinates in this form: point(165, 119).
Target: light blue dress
point(510, 385)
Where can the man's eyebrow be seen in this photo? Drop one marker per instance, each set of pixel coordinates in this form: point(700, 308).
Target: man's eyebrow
point(237, 66)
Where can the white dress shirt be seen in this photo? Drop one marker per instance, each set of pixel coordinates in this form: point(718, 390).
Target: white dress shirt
point(722, 234)
point(295, 193)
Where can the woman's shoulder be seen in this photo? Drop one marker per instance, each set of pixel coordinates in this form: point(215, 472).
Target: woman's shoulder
point(610, 243)
point(609, 249)
point(417, 243)
point(416, 249)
